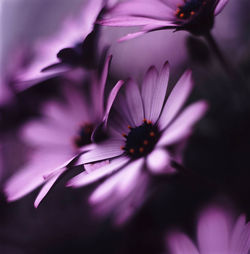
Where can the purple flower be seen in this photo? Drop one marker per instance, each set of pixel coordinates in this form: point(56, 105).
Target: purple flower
point(57, 138)
point(217, 233)
point(72, 46)
point(195, 16)
point(142, 128)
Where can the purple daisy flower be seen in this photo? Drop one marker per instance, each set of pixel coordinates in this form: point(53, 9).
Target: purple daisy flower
point(64, 131)
point(72, 46)
point(195, 16)
point(141, 127)
point(217, 233)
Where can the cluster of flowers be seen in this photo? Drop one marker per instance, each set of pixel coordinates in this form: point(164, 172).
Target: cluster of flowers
point(123, 135)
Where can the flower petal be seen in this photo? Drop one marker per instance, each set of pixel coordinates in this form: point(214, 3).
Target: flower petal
point(47, 186)
point(213, 231)
point(180, 244)
point(176, 99)
point(147, 90)
point(154, 9)
point(31, 175)
point(240, 238)
point(134, 102)
point(85, 178)
point(158, 161)
point(181, 127)
point(120, 183)
point(111, 99)
point(102, 151)
point(159, 93)
point(220, 6)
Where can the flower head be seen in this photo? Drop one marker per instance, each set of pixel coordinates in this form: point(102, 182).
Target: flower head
point(142, 129)
point(60, 135)
point(195, 16)
point(73, 46)
point(216, 234)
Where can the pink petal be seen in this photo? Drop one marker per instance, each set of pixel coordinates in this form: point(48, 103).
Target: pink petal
point(213, 231)
point(105, 150)
point(240, 238)
point(111, 99)
point(134, 102)
point(85, 178)
point(176, 99)
point(141, 8)
point(159, 93)
point(121, 183)
point(181, 127)
point(94, 166)
point(46, 187)
point(147, 90)
point(134, 21)
point(98, 88)
point(46, 133)
point(158, 161)
point(180, 244)
point(220, 6)
point(30, 175)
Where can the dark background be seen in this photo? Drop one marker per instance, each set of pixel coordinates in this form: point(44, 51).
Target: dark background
point(217, 154)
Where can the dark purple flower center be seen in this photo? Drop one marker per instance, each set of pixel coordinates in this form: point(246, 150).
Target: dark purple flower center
point(83, 136)
point(141, 140)
point(189, 8)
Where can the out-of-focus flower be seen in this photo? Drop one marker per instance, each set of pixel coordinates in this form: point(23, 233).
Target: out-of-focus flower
point(64, 131)
point(217, 233)
point(73, 46)
point(195, 16)
point(141, 127)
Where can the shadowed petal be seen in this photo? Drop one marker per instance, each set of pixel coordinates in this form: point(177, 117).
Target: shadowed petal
point(213, 231)
point(220, 6)
point(111, 99)
point(176, 99)
point(147, 90)
point(159, 93)
point(153, 9)
point(134, 102)
point(181, 244)
point(31, 175)
point(102, 151)
point(240, 239)
point(46, 187)
point(85, 178)
point(121, 183)
point(181, 127)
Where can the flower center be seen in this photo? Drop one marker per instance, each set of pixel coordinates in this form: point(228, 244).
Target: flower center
point(141, 140)
point(189, 8)
point(83, 136)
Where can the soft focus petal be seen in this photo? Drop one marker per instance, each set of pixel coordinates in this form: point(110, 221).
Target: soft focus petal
point(148, 8)
point(85, 178)
point(213, 232)
point(180, 244)
point(176, 99)
point(30, 176)
point(158, 161)
point(220, 6)
point(181, 127)
point(240, 238)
